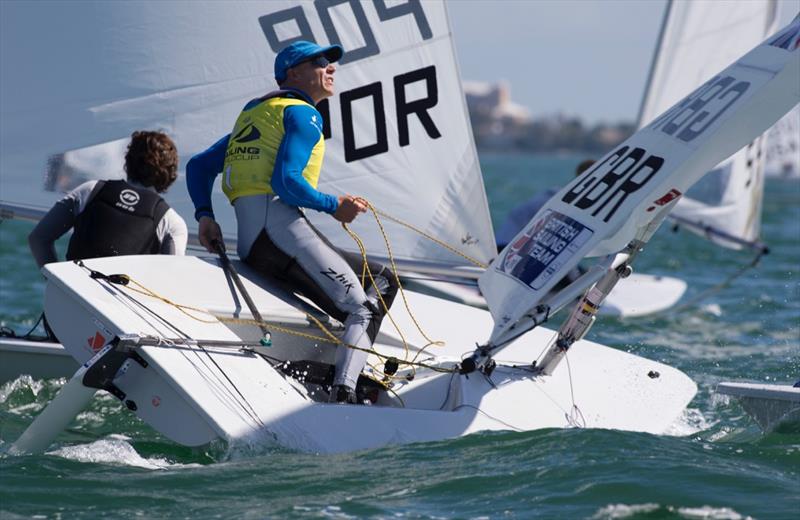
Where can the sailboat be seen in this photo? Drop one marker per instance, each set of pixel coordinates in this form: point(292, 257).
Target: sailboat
point(725, 205)
point(381, 114)
point(697, 38)
point(774, 407)
point(783, 147)
point(170, 337)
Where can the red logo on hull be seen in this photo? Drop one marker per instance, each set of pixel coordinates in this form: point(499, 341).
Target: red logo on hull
point(97, 342)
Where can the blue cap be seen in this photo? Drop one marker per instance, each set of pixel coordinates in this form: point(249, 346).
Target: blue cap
point(298, 51)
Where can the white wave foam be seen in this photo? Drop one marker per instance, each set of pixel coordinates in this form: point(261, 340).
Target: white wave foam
point(690, 422)
point(26, 383)
point(90, 419)
point(712, 309)
point(710, 513)
point(114, 450)
point(613, 511)
point(324, 512)
point(624, 510)
point(26, 408)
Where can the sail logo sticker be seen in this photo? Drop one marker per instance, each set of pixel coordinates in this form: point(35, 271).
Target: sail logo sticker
point(666, 199)
point(542, 250)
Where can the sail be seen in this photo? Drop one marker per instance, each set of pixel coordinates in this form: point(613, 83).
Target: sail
point(623, 196)
point(698, 39)
point(397, 130)
point(783, 147)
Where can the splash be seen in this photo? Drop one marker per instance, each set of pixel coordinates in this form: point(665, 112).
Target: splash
point(115, 450)
point(710, 513)
point(690, 422)
point(614, 511)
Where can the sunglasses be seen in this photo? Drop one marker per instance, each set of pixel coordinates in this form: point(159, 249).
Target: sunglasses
point(318, 61)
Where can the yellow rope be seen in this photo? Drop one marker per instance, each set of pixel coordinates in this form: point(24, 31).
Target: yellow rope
point(365, 268)
point(445, 245)
point(329, 337)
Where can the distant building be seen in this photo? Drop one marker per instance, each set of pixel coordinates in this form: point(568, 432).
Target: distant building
point(496, 120)
point(500, 124)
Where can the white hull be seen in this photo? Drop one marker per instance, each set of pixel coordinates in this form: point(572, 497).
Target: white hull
point(195, 397)
point(771, 406)
point(642, 295)
point(38, 359)
point(634, 296)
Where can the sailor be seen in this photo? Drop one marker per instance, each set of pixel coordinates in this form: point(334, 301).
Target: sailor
point(271, 164)
point(521, 215)
point(117, 217)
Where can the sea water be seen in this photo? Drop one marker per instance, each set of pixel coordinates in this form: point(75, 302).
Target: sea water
point(713, 464)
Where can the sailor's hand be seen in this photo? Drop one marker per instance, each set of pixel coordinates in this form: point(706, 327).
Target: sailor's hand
point(349, 208)
point(209, 232)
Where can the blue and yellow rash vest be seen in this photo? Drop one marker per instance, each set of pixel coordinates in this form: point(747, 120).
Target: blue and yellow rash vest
point(276, 147)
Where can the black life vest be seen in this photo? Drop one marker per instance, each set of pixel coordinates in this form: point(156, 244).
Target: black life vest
point(119, 219)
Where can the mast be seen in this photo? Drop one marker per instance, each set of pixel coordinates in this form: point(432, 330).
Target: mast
point(653, 62)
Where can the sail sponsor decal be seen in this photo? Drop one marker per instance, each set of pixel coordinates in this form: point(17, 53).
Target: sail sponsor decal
point(543, 248)
point(665, 199)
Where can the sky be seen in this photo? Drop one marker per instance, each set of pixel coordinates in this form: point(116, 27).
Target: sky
point(579, 57)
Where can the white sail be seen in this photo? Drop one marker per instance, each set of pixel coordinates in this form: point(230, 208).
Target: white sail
point(697, 39)
point(783, 139)
point(399, 131)
point(783, 147)
point(623, 196)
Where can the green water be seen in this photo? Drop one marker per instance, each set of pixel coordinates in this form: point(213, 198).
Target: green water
point(716, 464)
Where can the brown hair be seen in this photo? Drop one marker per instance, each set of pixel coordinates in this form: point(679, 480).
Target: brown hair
point(152, 160)
point(583, 166)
